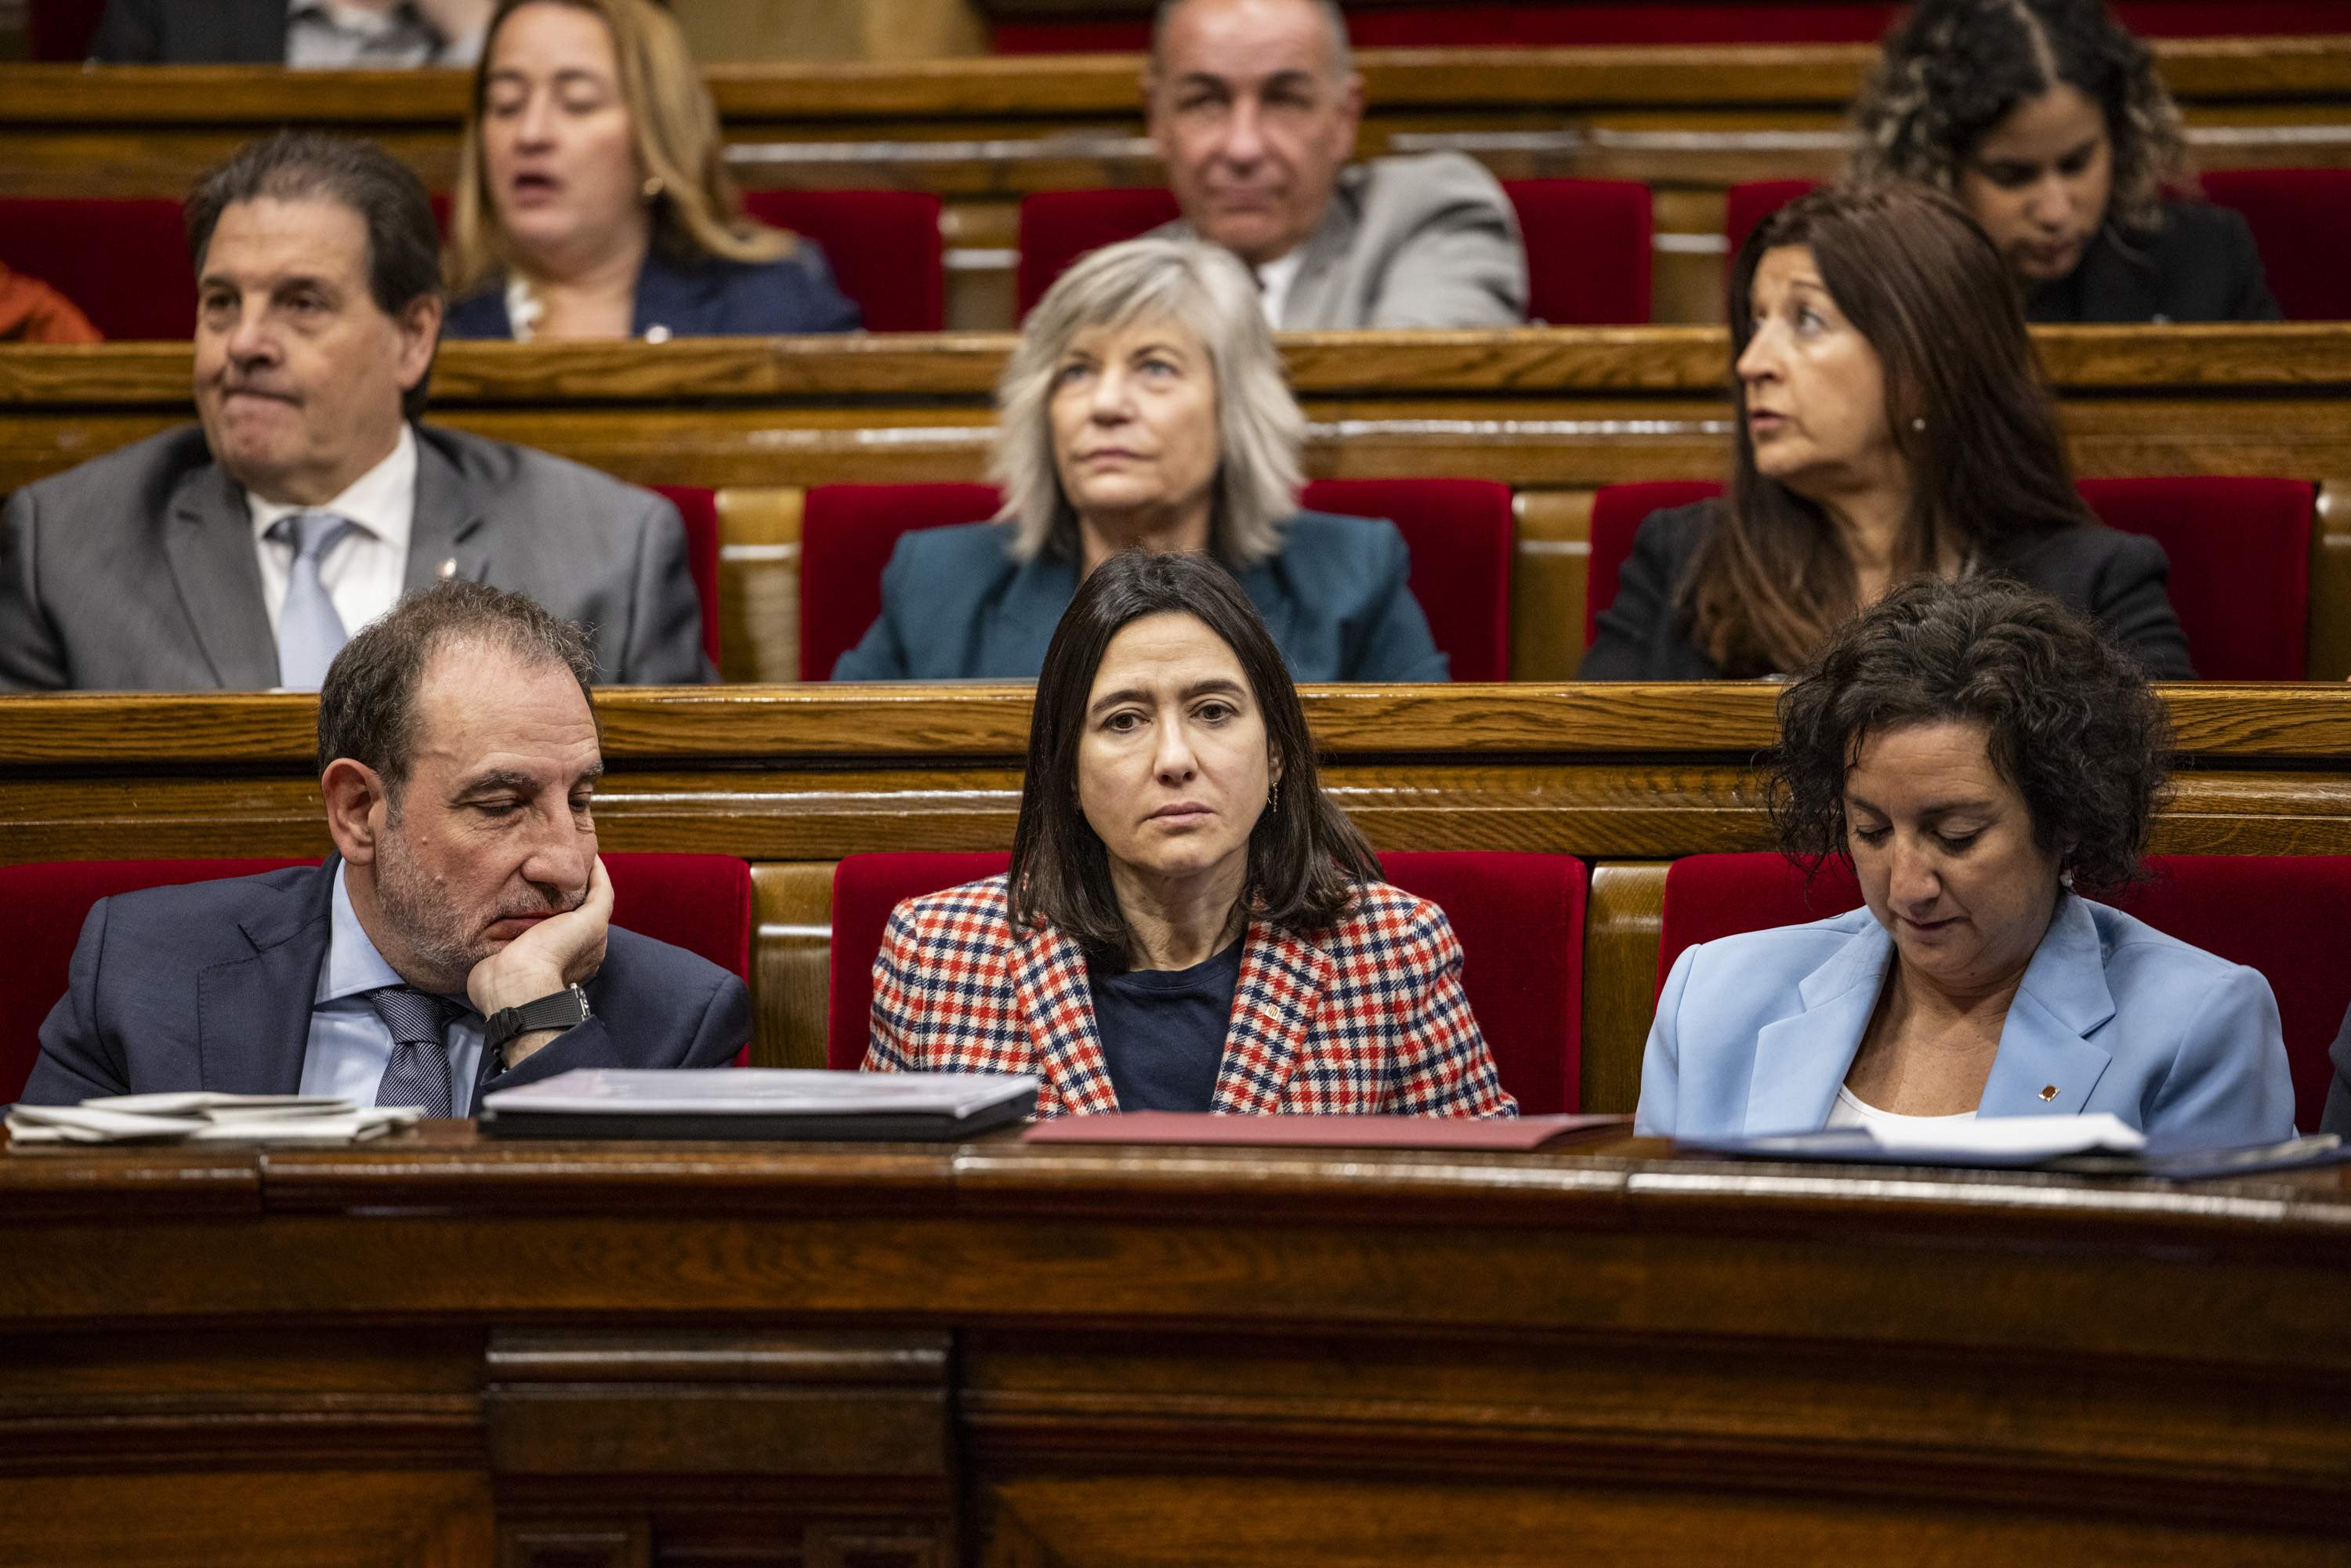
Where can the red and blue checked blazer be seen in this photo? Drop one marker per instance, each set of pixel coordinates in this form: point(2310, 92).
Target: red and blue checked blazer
point(1366, 1016)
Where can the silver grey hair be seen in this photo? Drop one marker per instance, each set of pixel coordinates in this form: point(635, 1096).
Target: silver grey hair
point(1259, 427)
point(1342, 56)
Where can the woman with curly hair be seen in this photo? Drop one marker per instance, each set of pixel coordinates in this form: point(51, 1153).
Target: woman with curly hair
point(1977, 754)
point(2049, 122)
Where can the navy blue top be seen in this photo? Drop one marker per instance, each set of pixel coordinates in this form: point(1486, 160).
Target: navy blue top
point(956, 606)
point(1163, 1030)
point(711, 298)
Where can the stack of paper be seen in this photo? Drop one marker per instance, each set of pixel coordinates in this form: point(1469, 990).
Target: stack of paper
point(1984, 1140)
point(759, 1103)
point(201, 1118)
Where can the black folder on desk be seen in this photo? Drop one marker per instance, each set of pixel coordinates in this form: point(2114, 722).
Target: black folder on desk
point(777, 1103)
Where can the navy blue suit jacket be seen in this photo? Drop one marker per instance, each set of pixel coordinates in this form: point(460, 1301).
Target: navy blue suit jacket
point(713, 299)
point(957, 606)
point(209, 986)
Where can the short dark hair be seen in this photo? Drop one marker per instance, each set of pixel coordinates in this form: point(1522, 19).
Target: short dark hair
point(2074, 724)
point(367, 705)
point(404, 259)
point(1342, 56)
point(1304, 856)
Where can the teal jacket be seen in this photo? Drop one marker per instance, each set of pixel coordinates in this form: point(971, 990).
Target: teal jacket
point(956, 606)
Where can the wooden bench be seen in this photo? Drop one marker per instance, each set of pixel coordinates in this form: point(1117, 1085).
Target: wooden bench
point(1554, 412)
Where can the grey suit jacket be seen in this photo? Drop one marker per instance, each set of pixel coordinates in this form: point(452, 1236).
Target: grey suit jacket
point(210, 985)
point(136, 572)
point(1424, 241)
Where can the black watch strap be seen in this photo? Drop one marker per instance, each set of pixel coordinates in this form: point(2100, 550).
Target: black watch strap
point(565, 1008)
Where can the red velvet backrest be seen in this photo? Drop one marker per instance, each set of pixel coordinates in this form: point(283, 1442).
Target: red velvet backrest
point(1519, 918)
point(1589, 249)
point(2277, 913)
point(1056, 227)
point(123, 259)
point(884, 248)
point(1748, 205)
point(1461, 533)
point(2240, 551)
point(847, 532)
point(1617, 511)
point(2301, 220)
point(698, 508)
point(699, 903)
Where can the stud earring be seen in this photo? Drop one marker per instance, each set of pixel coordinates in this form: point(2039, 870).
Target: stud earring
point(653, 187)
point(2065, 879)
point(1918, 424)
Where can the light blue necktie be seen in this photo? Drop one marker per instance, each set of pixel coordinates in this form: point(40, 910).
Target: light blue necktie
point(309, 633)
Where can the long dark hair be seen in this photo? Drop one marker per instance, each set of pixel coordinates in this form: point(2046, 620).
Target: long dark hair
point(1304, 855)
point(1969, 413)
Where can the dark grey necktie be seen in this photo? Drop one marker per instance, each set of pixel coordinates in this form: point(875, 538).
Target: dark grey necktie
point(418, 1072)
point(309, 630)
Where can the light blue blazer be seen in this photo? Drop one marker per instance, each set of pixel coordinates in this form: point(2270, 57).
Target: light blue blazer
point(1755, 1033)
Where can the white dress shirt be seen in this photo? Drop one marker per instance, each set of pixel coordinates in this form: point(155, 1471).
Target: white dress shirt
point(349, 1045)
point(368, 566)
point(1273, 281)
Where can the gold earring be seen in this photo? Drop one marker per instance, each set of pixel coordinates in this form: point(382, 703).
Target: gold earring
point(1273, 797)
point(653, 187)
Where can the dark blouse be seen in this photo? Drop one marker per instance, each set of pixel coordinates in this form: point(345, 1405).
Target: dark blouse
point(2114, 577)
point(711, 298)
point(1163, 1030)
point(2200, 266)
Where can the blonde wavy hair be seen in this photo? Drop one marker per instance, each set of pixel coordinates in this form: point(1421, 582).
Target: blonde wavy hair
point(1259, 428)
point(1952, 69)
point(674, 127)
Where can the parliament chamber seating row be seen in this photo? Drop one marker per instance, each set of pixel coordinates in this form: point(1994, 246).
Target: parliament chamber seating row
point(1520, 919)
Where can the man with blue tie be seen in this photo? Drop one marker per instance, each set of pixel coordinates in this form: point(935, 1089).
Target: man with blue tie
point(459, 940)
point(239, 552)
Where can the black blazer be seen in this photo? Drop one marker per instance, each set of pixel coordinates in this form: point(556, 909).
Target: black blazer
point(2114, 577)
point(2200, 266)
point(181, 33)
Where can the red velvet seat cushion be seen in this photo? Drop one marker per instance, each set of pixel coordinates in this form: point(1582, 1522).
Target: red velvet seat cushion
point(884, 248)
point(1056, 227)
point(698, 508)
point(1748, 205)
point(847, 532)
point(1462, 534)
point(124, 259)
point(1519, 918)
point(2301, 220)
point(2240, 551)
point(699, 903)
point(2277, 913)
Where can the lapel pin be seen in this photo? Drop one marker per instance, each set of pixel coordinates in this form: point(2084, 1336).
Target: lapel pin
point(448, 569)
point(2049, 1092)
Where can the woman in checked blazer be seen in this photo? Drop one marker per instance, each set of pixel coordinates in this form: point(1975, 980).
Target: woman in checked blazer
point(1188, 924)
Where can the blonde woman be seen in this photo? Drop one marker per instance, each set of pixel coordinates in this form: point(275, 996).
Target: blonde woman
point(1144, 409)
point(591, 198)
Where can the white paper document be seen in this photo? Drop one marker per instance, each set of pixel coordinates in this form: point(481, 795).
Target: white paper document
point(202, 1117)
point(1983, 1140)
point(761, 1092)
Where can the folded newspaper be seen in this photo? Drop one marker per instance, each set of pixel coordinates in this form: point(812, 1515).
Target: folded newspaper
point(759, 1103)
point(203, 1117)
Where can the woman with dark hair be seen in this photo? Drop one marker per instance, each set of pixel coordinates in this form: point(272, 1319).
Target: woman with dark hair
point(2050, 122)
point(1891, 419)
point(1975, 753)
point(1189, 923)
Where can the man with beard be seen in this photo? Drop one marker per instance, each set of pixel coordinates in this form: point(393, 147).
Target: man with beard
point(458, 939)
point(240, 552)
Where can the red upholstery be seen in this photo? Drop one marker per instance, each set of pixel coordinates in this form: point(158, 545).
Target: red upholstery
point(1588, 250)
point(699, 903)
point(1056, 227)
point(124, 260)
point(1751, 202)
point(1588, 242)
point(884, 248)
point(1461, 533)
point(699, 508)
point(1617, 514)
point(2301, 219)
point(1519, 918)
point(2277, 913)
point(61, 29)
point(2240, 553)
point(847, 532)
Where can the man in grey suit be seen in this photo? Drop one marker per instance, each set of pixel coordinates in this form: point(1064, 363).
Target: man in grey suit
point(1254, 105)
point(241, 552)
point(459, 940)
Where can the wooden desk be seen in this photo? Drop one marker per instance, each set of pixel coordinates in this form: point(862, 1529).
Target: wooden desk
point(793, 779)
point(1554, 412)
point(981, 133)
point(441, 1350)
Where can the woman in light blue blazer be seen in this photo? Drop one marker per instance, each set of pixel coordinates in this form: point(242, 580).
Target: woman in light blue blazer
point(1144, 409)
point(1975, 750)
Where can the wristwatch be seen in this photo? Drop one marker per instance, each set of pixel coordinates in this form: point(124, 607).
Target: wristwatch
point(565, 1008)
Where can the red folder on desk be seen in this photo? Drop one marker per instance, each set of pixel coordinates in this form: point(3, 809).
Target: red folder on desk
point(1520, 1133)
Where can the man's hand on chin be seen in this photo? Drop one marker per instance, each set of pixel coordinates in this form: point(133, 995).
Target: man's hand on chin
point(561, 950)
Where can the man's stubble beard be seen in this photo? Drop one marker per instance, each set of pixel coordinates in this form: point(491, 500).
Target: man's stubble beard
point(428, 928)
